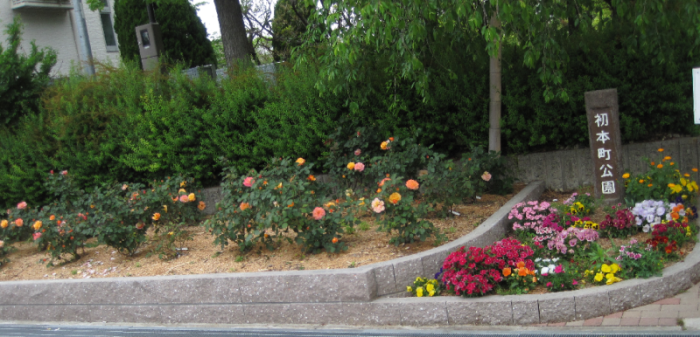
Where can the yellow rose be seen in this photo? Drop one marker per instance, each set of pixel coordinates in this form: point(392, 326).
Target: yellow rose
point(351, 166)
point(4, 224)
point(182, 190)
point(191, 197)
point(183, 184)
point(394, 198)
point(383, 146)
point(37, 225)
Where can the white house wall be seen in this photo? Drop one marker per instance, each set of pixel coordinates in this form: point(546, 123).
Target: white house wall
point(55, 28)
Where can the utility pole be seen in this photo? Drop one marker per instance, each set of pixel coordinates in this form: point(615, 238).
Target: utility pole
point(85, 49)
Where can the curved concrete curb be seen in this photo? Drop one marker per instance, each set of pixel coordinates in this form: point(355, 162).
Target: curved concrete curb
point(360, 296)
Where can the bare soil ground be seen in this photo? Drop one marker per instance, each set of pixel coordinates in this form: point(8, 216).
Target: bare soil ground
point(202, 257)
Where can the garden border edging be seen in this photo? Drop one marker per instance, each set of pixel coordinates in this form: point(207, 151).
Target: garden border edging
point(359, 296)
point(269, 297)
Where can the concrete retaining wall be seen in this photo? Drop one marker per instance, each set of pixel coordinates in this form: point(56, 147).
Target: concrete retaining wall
point(368, 295)
point(272, 297)
point(569, 169)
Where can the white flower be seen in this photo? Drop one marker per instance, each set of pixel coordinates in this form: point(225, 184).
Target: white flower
point(657, 220)
point(645, 229)
point(544, 270)
point(555, 259)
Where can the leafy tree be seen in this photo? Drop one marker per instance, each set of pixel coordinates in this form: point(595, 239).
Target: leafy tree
point(184, 35)
point(288, 27)
point(22, 77)
point(407, 35)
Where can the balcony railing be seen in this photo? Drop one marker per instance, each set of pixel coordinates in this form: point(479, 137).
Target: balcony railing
point(55, 4)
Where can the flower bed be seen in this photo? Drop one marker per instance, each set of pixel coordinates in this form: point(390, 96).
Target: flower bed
point(563, 246)
point(279, 205)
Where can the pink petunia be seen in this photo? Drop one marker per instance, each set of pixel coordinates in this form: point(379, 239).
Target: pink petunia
point(318, 213)
point(359, 167)
point(22, 205)
point(248, 182)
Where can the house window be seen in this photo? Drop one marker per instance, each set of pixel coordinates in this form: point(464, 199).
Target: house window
point(108, 28)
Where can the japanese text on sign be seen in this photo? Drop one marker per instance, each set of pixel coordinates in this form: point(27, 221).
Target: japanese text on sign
point(606, 170)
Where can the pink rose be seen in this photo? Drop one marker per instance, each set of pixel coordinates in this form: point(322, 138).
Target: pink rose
point(358, 152)
point(359, 167)
point(51, 172)
point(248, 182)
point(64, 173)
point(184, 198)
point(319, 213)
point(36, 236)
point(140, 225)
point(486, 176)
point(22, 205)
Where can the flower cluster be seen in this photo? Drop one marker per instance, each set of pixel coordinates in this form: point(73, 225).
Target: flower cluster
point(567, 240)
point(622, 223)
point(422, 287)
point(476, 271)
point(607, 272)
point(530, 215)
point(648, 213)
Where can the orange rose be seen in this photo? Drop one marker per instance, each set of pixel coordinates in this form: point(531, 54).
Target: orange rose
point(311, 177)
point(156, 216)
point(412, 184)
point(201, 206)
point(300, 161)
point(335, 240)
point(244, 206)
point(52, 217)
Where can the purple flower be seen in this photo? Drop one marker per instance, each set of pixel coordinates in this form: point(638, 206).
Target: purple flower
point(573, 242)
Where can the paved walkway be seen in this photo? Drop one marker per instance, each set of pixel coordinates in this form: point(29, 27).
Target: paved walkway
point(667, 312)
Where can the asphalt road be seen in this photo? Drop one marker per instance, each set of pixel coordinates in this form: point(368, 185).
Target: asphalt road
point(131, 331)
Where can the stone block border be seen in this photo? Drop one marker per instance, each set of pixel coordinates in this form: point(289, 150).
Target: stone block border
point(369, 295)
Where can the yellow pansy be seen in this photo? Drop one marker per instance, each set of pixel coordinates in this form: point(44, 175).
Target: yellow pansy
point(409, 289)
point(615, 268)
point(598, 277)
point(605, 268)
point(419, 292)
point(431, 293)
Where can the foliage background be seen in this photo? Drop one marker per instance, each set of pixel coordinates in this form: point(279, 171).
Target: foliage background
point(127, 125)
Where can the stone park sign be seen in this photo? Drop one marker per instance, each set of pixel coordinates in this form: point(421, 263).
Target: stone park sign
point(605, 143)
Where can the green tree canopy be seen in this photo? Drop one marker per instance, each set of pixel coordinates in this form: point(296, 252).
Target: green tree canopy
point(184, 35)
point(410, 34)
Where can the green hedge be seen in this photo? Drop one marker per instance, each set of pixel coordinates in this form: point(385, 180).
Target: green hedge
point(127, 125)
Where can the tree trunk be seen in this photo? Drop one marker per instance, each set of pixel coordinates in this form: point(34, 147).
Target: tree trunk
point(495, 94)
point(233, 35)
